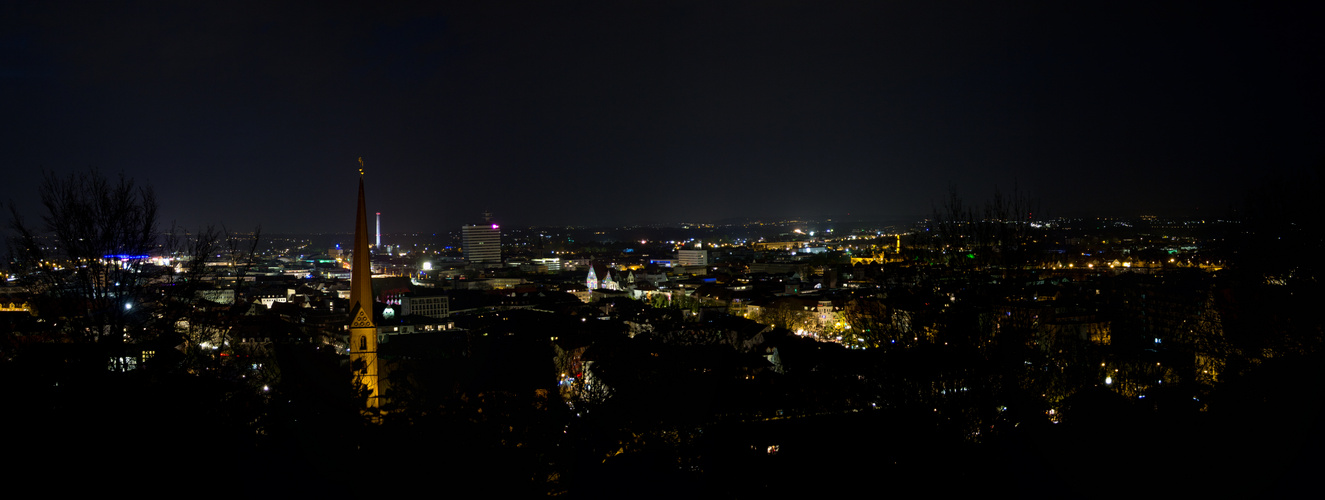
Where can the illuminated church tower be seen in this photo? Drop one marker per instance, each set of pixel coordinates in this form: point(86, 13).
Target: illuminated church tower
point(363, 328)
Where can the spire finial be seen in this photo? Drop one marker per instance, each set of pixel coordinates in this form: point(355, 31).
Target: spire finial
point(360, 165)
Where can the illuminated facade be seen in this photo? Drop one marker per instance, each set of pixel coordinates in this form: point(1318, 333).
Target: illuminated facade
point(363, 326)
point(593, 282)
point(15, 306)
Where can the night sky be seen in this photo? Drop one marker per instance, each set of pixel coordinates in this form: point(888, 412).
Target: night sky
point(565, 112)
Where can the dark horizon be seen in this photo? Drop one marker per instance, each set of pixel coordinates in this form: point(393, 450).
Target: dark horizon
point(604, 114)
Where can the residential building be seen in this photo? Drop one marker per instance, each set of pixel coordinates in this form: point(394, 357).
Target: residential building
point(425, 304)
point(692, 257)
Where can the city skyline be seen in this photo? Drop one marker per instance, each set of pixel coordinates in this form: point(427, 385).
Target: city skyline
point(604, 115)
point(1008, 353)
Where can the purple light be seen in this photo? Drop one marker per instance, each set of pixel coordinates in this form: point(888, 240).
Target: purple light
point(494, 226)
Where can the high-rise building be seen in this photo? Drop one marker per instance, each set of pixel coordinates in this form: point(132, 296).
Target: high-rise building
point(482, 242)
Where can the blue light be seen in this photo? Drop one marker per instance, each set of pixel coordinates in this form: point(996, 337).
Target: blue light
point(123, 256)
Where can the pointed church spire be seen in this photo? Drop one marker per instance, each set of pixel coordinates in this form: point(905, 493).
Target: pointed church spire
point(361, 274)
point(363, 327)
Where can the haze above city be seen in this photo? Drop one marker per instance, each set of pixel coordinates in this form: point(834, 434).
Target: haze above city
point(585, 113)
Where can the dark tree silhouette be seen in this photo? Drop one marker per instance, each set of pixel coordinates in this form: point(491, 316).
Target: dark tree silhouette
point(995, 234)
point(88, 255)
